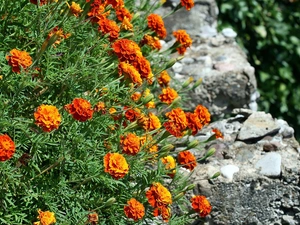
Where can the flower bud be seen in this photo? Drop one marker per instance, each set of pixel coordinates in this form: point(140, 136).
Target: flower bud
point(109, 202)
point(173, 61)
point(187, 82)
point(210, 152)
point(198, 82)
point(179, 196)
point(192, 144)
point(167, 148)
point(215, 175)
point(147, 98)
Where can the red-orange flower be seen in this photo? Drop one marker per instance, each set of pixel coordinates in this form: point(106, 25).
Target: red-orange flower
point(168, 95)
point(97, 10)
point(75, 9)
point(193, 122)
point(110, 27)
point(130, 144)
point(183, 39)
point(93, 218)
point(130, 72)
point(136, 96)
point(18, 59)
point(156, 23)
point(47, 117)
point(116, 4)
point(126, 25)
point(126, 50)
point(187, 160)
point(201, 205)
point(153, 122)
point(203, 114)
point(60, 35)
point(158, 195)
point(153, 42)
point(164, 211)
point(116, 165)
point(218, 133)
point(188, 4)
point(134, 209)
point(144, 67)
point(80, 109)
point(132, 114)
point(177, 122)
point(164, 79)
point(7, 147)
point(122, 13)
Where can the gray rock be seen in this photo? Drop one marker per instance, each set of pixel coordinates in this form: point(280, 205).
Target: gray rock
point(228, 32)
point(269, 165)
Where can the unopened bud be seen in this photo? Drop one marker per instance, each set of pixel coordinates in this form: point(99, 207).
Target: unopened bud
point(192, 144)
point(173, 61)
point(147, 98)
point(175, 102)
point(210, 152)
point(215, 175)
point(131, 126)
point(179, 196)
point(109, 202)
point(187, 82)
point(167, 148)
point(190, 187)
point(197, 83)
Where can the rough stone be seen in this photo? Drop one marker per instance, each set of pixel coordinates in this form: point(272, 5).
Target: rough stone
point(269, 165)
point(228, 171)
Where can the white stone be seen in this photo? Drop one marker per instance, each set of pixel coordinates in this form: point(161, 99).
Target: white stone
point(228, 32)
point(177, 67)
point(228, 171)
point(269, 165)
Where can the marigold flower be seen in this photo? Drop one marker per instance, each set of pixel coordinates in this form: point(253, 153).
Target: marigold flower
point(201, 205)
point(132, 114)
point(193, 122)
point(116, 4)
point(136, 96)
point(153, 122)
point(143, 66)
point(156, 23)
point(178, 117)
point(97, 11)
point(18, 59)
point(80, 109)
point(130, 72)
point(112, 111)
point(116, 165)
point(60, 35)
point(218, 133)
point(188, 4)
point(203, 114)
point(164, 79)
point(122, 13)
point(47, 117)
point(126, 50)
point(110, 27)
point(168, 95)
point(148, 144)
point(150, 105)
point(126, 25)
point(153, 42)
point(130, 144)
point(93, 218)
point(134, 209)
point(170, 164)
point(75, 9)
point(7, 147)
point(100, 106)
point(158, 195)
point(187, 160)
point(46, 218)
point(184, 39)
point(164, 211)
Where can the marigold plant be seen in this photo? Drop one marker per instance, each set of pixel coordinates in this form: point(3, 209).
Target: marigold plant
point(134, 209)
point(47, 117)
point(201, 205)
point(18, 59)
point(7, 147)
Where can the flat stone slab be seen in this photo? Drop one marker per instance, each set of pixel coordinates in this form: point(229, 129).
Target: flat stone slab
point(258, 125)
point(269, 165)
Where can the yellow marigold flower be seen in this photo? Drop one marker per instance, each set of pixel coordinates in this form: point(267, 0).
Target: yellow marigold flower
point(75, 9)
point(47, 117)
point(150, 105)
point(130, 144)
point(46, 218)
point(130, 72)
point(18, 59)
point(170, 164)
point(7, 147)
point(164, 79)
point(168, 95)
point(126, 25)
point(112, 110)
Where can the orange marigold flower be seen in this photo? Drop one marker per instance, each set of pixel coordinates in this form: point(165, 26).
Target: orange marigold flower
point(187, 160)
point(170, 164)
point(153, 42)
point(193, 122)
point(218, 133)
point(201, 205)
point(100, 106)
point(112, 111)
point(150, 105)
point(183, 39)
point(116, 165)
point(134, 209)
point(75, 9)
point(126, 25)
point(156, 23)
point(59, 35)
point(178, 117)
point(93, 218)
point(122, 13)
point(168, 95)
point(143, 66)
point(188, 4)
point(97, 11)
point(110, 27)
point(153, 122)
point(80, 109)
point(130, 144)
point(46, 218)
point(18, 59)
point(47, 117)
point(116, 4)
point(7, 147)
point(158, 195)
point(164, 211)
point(164, 79)
point(130, 72)
point(132, 114)
point(173, 129)
point(136, 96)
point(126, 50)
point(203, 114)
